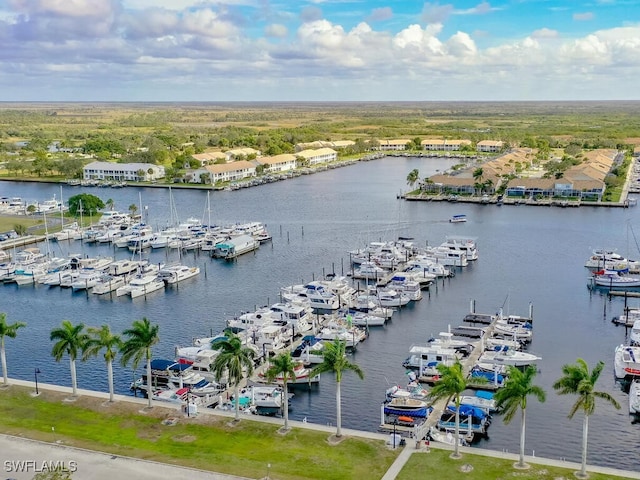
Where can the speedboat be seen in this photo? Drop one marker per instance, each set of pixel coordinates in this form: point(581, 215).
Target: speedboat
point(507, 356)
point(626, 362)
point(403, 404)
point(634, 397)
point(458, 218)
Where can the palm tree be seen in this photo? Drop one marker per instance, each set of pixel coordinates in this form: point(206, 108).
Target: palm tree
point(452, 382)
point(335, 360)
point(70, 340)
point(102, 339)
point(413, 177)
point(577, 380)
point(140, 338)
point(513, 396)
point(233, 358)
point(284, 365)
point(9, 331)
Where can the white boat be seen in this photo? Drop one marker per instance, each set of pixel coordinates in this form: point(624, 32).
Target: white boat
point(406, 286)
point(314, 293)
point(362, 319)
point(69, 232)
point(506, 356)
point(108, 283)
point(309, 350)
point(302, 376)
point(422, 357)
point(141, 284)
point(427, 265)
point(482, 399)
point(626, 362)
point(447, 437)
point(390, 297)
point(467, 245)
point(235, 246)
point(458, 218)
point(86, 280)
point(123, 267)
point(298, 317)
point(615, 279)
point(603, 259)
point(634, 397)
point(173, 274)
point(634, 336)
point(446, 256)
point(369, 271)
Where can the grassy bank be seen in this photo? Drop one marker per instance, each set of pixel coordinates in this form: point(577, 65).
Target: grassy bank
point(438, 464)
point(206, 442)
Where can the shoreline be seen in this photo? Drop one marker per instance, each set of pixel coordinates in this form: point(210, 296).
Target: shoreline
point(392, 472)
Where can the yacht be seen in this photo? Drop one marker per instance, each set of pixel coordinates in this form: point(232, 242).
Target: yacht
point(141, 284)
point(626, 362)
point(108, 283)
point(467, 245)
point(173, 274)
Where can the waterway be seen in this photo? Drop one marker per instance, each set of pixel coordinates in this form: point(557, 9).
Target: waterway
point(528, 256)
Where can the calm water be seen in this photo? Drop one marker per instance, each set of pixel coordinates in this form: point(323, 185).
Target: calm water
point(527, 255)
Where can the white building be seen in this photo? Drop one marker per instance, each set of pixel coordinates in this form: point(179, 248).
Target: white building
point(222, 172)
point(444, 145)
point(489, 146)
point(319, 155)
point(134, 172)
point(278, 163)
point(397, 144)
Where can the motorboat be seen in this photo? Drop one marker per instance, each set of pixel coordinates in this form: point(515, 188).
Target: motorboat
point(423, 356)
point(603, 259)
point(403, 404)
point(108, 283)
point(471, 419)
point(297, 317)
point(173, 274)
point(506, 356)
point(302, 375)
point(362, 319)
point(467, 245)
point(615, 279)
point(446, 256)
point(369, 271)
point(634, 336)
point(86, 280)
point(435, 435)
point(634, 397)
point(309, 350)
point(141, 284)
point(446, 340)
point(626, 362)
point(482, 399)
point(406, 286)
point(460, 218)
point(235, 246)
point(123, 267)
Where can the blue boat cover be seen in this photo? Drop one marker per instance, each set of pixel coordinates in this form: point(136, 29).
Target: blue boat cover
point(484, 394)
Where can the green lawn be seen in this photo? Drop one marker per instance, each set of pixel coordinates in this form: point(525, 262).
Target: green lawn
point(206, 442)
point(437, 464)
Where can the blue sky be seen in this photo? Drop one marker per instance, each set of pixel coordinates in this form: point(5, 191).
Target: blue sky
point(333, 50)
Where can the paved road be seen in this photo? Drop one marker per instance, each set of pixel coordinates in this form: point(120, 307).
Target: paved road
point(22, 459)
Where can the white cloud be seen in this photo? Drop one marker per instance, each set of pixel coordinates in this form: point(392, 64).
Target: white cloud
point(276, 30)
point(380, 14)
point(583, 17)
point(544, 33)
point(131, 49)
